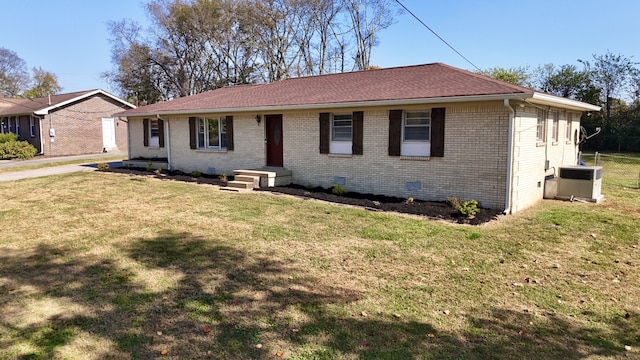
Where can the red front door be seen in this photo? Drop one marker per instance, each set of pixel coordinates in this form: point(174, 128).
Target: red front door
point(274, 140)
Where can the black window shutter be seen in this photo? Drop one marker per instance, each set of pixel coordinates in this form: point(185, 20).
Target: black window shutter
point(229, 121)
point(437, 132)
point(145, 132)
point(395, 132)
point(357, 132)
point(160, 133)
point(192, 133)
point(325, 132)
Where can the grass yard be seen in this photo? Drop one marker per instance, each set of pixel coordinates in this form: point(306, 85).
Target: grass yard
point(112, 266)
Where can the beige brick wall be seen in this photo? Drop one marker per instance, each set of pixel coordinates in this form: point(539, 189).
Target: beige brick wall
point(473, 166)
point(529, 156)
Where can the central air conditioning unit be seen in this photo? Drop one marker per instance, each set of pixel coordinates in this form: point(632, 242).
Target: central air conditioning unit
point(580, 182)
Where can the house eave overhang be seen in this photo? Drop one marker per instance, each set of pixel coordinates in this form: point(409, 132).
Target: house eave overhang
point(534, 98)
point(320, 106)
point(556, 101)
point(48, 109)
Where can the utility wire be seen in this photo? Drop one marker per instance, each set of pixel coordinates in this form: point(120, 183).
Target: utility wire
point(438, 36)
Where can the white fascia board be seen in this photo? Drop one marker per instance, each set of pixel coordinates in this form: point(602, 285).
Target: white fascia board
point(77, 98)
point(400, 102)
point(552, 100)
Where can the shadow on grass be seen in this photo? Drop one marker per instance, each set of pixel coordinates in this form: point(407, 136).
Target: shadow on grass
point(197, 299)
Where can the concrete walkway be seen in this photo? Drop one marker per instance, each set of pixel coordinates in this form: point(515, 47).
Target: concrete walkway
point(53, 169)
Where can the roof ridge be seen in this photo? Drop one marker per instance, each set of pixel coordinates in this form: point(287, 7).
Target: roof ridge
point(486, 77)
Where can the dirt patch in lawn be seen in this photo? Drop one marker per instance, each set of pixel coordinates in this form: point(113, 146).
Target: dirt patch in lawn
point(371, 202)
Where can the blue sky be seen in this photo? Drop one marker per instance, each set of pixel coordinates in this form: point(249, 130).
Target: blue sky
point(70, 37)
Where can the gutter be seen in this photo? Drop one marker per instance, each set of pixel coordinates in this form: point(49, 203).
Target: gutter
point(508, 191)
point(532, 98)
point(128, 141)
point(41, 138)
point(167, 140)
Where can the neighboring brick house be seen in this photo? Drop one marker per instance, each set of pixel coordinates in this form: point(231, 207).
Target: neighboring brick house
point(67, 124)
point(428, 132)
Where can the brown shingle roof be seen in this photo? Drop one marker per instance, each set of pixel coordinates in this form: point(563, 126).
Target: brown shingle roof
point(429, 81)
point(16, 106)
point(25, 106)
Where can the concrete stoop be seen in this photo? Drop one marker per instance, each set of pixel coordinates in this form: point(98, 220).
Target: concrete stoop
point(247, 180)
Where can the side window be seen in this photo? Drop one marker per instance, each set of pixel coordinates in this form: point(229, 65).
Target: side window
point(341, 134)
point(154, 133)
point(541, 127)
point(211, 133)
point(416, 133)
point(555, 124)
point(567, 134)
point(32, 126)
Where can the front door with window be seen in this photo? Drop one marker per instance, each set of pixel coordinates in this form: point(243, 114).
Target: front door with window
point(274, 140)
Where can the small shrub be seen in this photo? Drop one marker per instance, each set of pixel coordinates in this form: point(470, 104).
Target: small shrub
point(467, 208)
point(16, 149)
point(196, 173)
point(376, 203)
point(103, 166)
point(409, 200)
point(223, 178)
point(8, 137)
point(157, 171)
point(149, 166)
point(338, 190)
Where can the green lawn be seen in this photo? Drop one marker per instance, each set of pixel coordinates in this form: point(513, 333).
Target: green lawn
point(111, 266)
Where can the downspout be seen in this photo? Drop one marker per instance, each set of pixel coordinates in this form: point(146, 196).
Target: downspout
point(128, 139)
point(167, 141)
point(41, 137)
point(508, 191)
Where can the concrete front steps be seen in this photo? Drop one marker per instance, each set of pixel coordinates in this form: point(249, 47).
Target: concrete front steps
point(247, 180)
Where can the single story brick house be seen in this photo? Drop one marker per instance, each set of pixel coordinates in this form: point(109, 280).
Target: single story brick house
point(67, 124)
point(428, 132)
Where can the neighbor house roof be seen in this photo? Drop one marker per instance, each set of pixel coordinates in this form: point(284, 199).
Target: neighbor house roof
point(429, 83)
point(43, 105)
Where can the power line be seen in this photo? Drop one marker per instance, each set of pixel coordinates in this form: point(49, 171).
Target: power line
point(438, 36)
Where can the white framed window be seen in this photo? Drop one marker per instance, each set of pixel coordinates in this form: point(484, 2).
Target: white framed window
point(555, 125)
point(567, 133)
point(212, 133)
point(541, 127)
point(32, 126)
point(341, 134)
point(416, 133)
point(154, 133)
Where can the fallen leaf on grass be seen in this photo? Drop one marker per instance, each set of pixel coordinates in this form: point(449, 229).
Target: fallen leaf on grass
point(431, 335)
point(164, 352)
point(627, 316)
point(279, 354)
point(521, 332)
point(206, 329)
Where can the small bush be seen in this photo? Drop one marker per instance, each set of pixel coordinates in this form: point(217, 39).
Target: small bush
point(103, 166)
point(338, 190)
point(8, 137)
point(16, 149)
point(467, 208)
point(223, 178)
point(196, 173)
point(149, 166)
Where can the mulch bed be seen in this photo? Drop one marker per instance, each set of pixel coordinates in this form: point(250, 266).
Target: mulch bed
point(428, 209)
